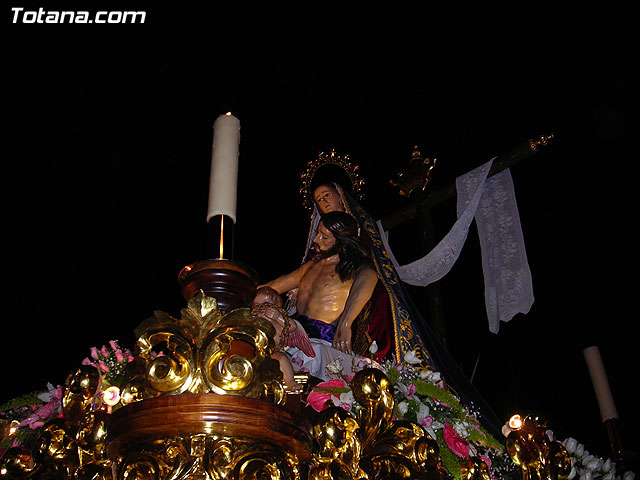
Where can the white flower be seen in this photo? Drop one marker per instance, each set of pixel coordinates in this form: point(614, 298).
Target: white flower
point(593, 463)
point(571, 444)
point(460, 429)
point(429, 376)
point(47, 396)
point(423, 412)
point(335, 367)
point(373, 348)
point(438, 425)
point(345, 401)
point(403, 407)
point(411, 358)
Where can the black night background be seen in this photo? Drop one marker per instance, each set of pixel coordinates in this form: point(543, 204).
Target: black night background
point(106, 171)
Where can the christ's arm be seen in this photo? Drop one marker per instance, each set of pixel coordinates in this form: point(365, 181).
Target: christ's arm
point(359, 295)
point(288, 281)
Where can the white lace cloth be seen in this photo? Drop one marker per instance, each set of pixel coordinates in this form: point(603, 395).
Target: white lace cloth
point(492, 202)
point(320, 365)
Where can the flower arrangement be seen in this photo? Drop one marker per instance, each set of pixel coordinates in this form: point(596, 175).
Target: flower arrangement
point(586, 466)
point(111, 362)
point(22, 417)
point(421, 397)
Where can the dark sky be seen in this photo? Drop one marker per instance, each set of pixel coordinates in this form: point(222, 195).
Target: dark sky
point(106, 174)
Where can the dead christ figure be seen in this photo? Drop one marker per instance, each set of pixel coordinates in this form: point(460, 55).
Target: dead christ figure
point(333, 287)
point(335, 284)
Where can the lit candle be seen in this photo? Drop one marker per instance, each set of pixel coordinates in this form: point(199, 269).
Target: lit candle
point(223, 182)
point(600, 383)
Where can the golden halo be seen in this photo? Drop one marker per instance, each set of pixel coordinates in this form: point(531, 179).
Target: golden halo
point(331, 158)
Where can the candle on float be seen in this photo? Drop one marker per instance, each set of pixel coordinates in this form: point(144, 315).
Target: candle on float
point(600, 383)
point(223, 180)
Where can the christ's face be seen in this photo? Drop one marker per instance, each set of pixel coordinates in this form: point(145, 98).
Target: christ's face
point(327, 199)
point(324, 239)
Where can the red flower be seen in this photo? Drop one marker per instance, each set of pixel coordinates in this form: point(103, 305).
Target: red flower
point(458, 445)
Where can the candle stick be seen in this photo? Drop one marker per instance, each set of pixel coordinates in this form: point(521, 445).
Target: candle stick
point(221, 236)
point(223, 180)
point(600, 383)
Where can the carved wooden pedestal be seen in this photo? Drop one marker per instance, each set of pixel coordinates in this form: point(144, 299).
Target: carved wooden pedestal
point(206, 436)
point(230, 282)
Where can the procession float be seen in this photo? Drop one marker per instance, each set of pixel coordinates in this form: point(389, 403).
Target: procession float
point(200, 396)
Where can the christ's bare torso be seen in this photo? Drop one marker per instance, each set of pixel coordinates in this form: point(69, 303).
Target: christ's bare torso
point(321, 293)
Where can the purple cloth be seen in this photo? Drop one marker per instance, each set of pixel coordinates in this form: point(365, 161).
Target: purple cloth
point(316, 328)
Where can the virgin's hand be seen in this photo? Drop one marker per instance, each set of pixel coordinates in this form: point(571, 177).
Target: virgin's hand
point(342, 339)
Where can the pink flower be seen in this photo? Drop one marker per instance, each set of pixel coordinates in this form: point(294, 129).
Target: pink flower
point(427, 421)
point(318, 400)
point(94, 353)
point(86, 361)
point(411, 389)
point(458, 445)
point(57, 393)
point(119, 355)
point(28, 421)
point(104, 351)
point(486, 460)
point(363, 363)
point(322, 392)
point(114, 345)
point(348, 378)
point(47, 410)
point(103, 367)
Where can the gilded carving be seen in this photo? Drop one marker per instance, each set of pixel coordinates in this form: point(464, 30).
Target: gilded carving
point(205, 352)
point(207, 457)
point(535, 453)
point(369, 444)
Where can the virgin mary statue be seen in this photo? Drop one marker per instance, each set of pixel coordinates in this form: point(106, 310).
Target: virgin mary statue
point(390, 318)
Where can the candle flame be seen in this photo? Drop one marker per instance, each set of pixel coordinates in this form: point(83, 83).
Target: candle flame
point(13, 428)
point(111, 395)
point(228, 114)
point(515, 422)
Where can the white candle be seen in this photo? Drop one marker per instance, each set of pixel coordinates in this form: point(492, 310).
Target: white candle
point(600, 383)
point(223, 182)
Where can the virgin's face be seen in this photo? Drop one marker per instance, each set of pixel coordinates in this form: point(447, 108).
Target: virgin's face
point(324, 239)
point(327, 199)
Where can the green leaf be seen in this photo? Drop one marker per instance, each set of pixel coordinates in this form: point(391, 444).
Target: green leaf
point(435, 392)
point(23, 400)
